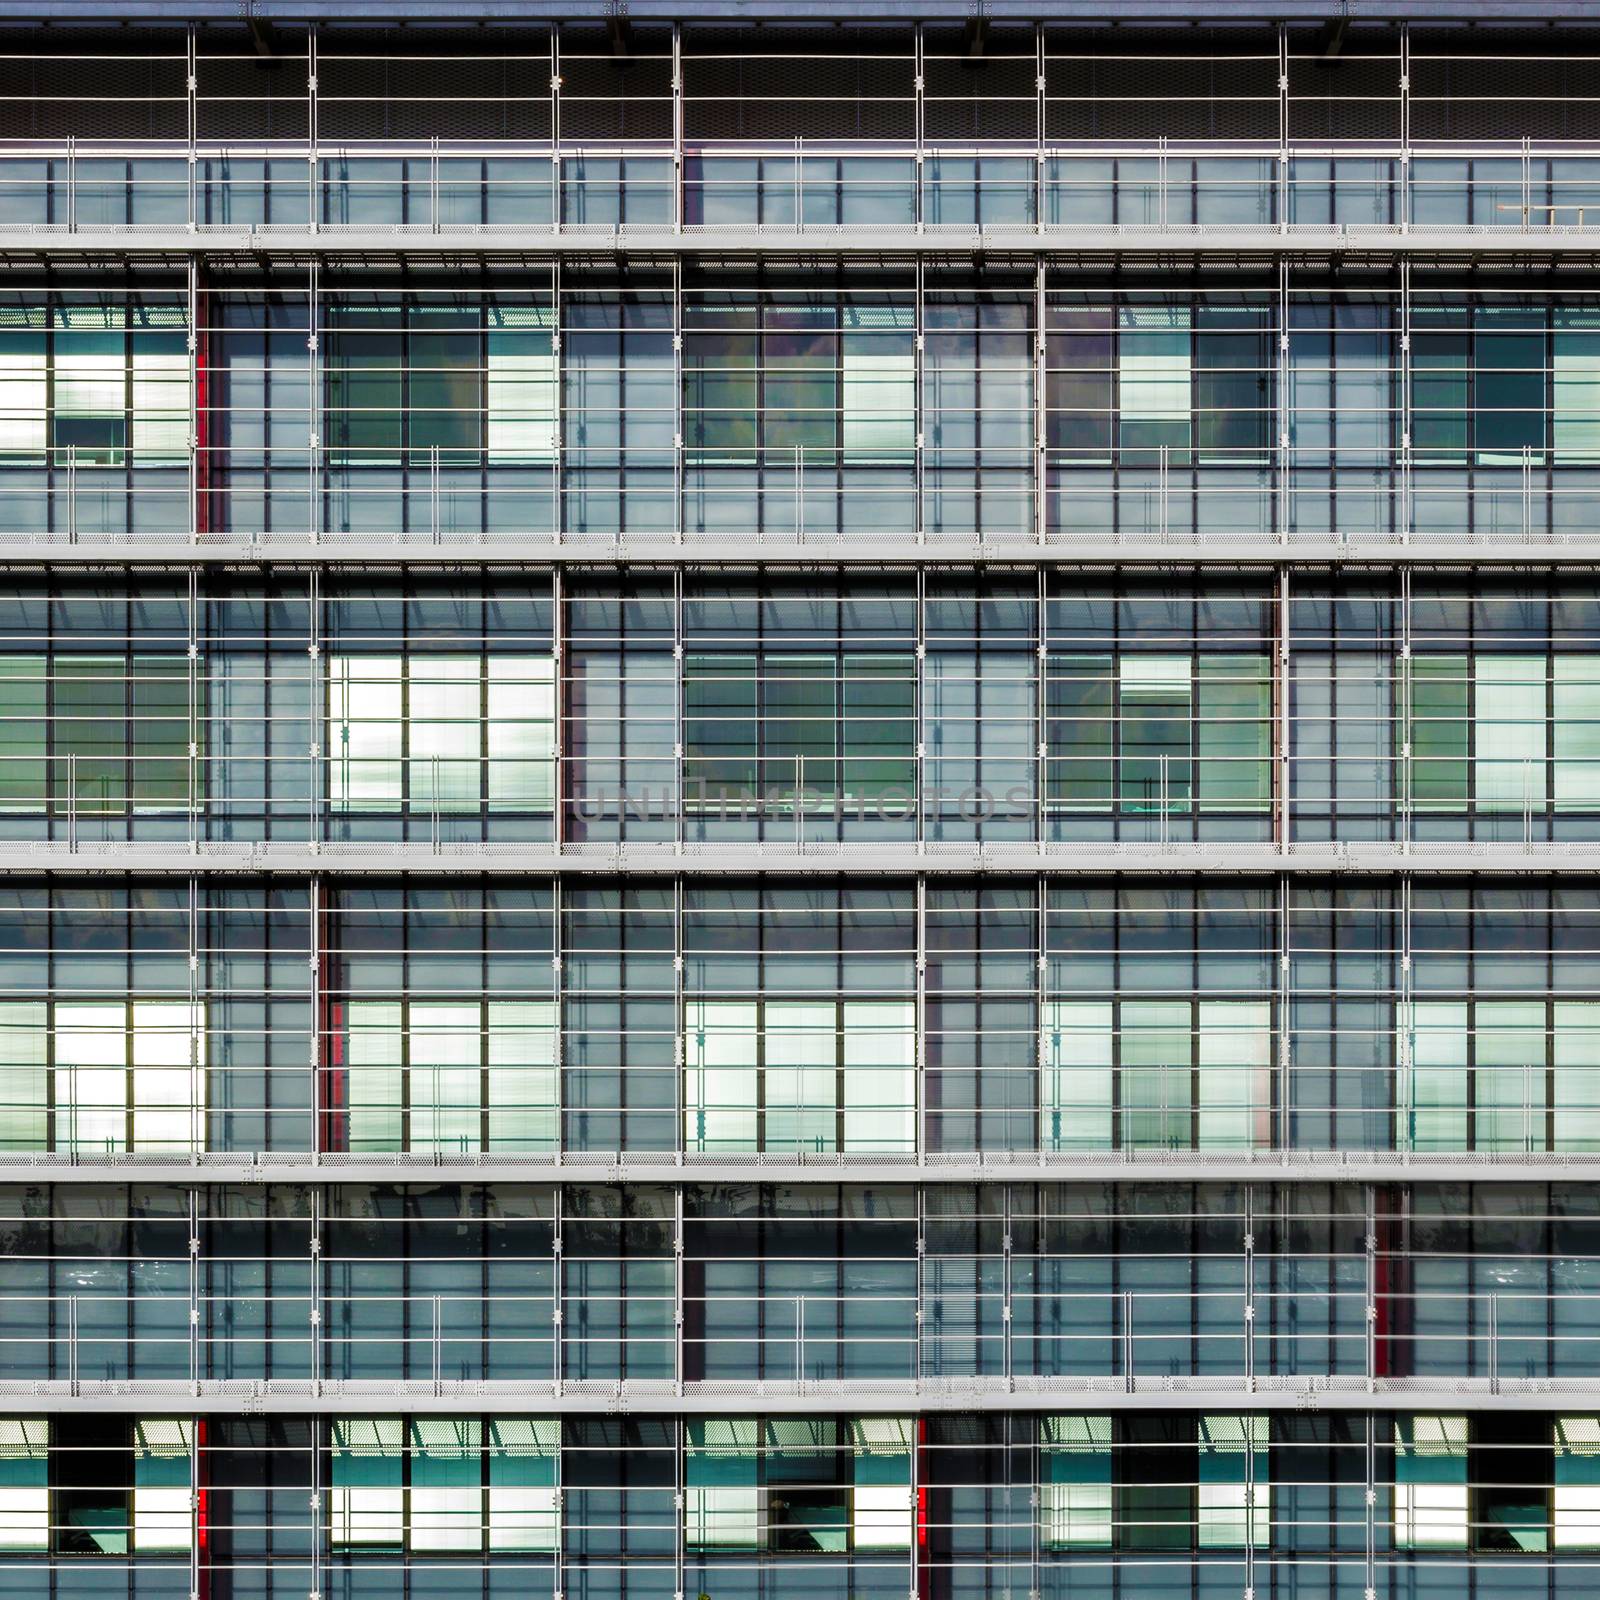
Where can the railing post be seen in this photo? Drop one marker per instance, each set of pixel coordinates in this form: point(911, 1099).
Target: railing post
point(1494, 1344)
point(1127, 1340)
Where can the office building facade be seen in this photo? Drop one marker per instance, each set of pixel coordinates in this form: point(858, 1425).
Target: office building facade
point(797, 802)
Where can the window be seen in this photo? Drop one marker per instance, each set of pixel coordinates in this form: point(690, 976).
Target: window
point(1187, 1073)
point(121, 1488)
point(1478, 384)
point(24, 1075)
point(787, 380)
point(466, 384)
point(120, 392)
point(452, 1075)
point(438, 1485)
point(521, 385)
point(1509, 1464)
point(1075, 1483)
point(1235, 1498)
point(798, 1486)
point(1576, 1495)
point(1575, 385)
point(1155, 1483)
point(110, 1074)
point(722, 1472)
point(878, 383)
point(1161, 734)
point(524, 1502)
point(25, 1486)
point(442, 733)
point(1498, 1075)
point(366, 1501)
point(1505, 734)
point(764, 728)
point(97, 736)
point(800, 1075)
point(1153, 379)
point(1430, 1483)
point(129, 1075)
point(163, 1516)
point(24, 385)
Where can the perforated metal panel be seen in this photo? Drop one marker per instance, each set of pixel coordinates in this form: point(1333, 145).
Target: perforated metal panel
point(241, 94)
point(990, 94)
point(1354, 94)
point(404, 83)
point(93, 85)
point(613, 89)
point(1138, 84)
point(823, 83)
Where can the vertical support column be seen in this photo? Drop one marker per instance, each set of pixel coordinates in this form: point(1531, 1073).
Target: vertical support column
point(558, 424)
point(558, 1044)
point(319, 756)
point(1283, 722)
point(1405, 1032)
point(918, 82)
point(1285, 1074)
point(321, 1430)
point(1283, 115)
point(1006, 1357)
point(313, 403)
point(555, 132)
point(558, 671)
point(1041, 689)
point(197, 1024)
point(1373, 1332)
point(1041, 488)
point(677, 1294)
point(917, 408)
point(313, 133)
point(192, 120)
point(680, 1051)
point(1371, 1584)
point(316, 1309)
point(1045, 1137)
point(1249, 1252)
point(1285, 184)
point(680, 774)
point(196, 742)
point(920, 1046)
point(555, 102)
point(1405, 513)
point(558, 1364)
point(196, 1365)
point(1401, 739)
point(1405, 90)
point(918, 1362)
point(680, 487)
point(1283, 414)
point(197, 380)
point(321, 1118)
point(921, 774)
point(677, 128)
point(1035, 1503)
point(1403, 199)
point(1041, 186)
point(679, 1498)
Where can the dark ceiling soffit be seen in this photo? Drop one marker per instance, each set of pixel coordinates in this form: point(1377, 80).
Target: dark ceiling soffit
point(605, 11)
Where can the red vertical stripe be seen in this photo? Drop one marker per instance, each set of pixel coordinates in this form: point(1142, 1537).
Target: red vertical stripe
point(202, 1493)
point(923, 1575)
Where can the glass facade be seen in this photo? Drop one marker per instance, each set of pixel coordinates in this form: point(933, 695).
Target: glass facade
point(799, 807)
